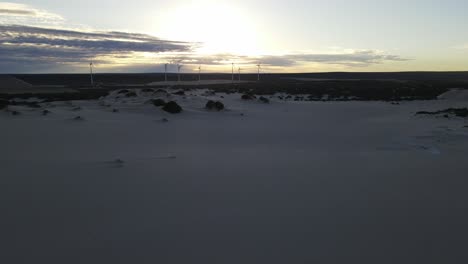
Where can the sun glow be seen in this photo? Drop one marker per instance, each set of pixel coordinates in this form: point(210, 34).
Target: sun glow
point(219, 28)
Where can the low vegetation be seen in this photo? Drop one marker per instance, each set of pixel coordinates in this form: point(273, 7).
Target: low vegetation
point(459, 112)
point(3, 103)
point(158, 102)
point(212, 105)
point(264, 100)
point(172, 107)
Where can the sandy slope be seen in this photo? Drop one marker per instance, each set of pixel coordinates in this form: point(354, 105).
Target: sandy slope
point(289, 182)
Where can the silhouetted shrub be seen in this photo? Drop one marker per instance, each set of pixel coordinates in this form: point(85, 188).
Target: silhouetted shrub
point(161, 91)
point(179, 93)
point(264, 100)
point(15, 113)
point(125, 91)
point(172, 107)
point(158, 102)
point(248, 96)
point(460, 112)
point(3, 103)
point(212, 105)
point(131, 94)
point(45, 112)
point(147, 90)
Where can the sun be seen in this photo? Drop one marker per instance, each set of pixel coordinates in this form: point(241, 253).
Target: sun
point(220, 28)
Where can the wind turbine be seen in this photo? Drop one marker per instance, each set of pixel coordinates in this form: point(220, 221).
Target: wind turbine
point(91, 73)
point(199, 73)
point(233, 72)
point(165, 72)
point(240, 74)
point(179, 66)
point(259, 66)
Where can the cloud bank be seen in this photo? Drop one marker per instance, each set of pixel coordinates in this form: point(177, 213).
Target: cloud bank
point(44, 47)
point(34, 40)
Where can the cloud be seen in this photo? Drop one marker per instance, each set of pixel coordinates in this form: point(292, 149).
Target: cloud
point(356, 58)
point(35, 40)
point(13, 13)
point(61, 49)
point(17, 12)
point(25, 45)
point(461, 47)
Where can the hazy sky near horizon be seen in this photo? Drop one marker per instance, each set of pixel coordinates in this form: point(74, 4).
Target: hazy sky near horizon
point(291, 36)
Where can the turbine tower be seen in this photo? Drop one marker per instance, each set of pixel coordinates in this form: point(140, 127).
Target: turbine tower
point(91, 73)
point(179, 66)
point(259, 66)
point(233, 72)
point(199, 73)
point(240, 74)
point(165, 72)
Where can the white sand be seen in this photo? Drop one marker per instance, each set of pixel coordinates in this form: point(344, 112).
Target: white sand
point(294, 182)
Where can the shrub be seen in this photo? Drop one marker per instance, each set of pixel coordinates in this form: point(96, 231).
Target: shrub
point(172, 107)
point(3, 103)
point(264, 100)
point(125, 91)
point(131, 94)
point(158, 102)
point(179, 93)
point(248, 97)
point(160, 91)
point(212, 105)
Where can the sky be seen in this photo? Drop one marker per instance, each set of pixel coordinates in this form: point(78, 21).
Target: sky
point(43, 36)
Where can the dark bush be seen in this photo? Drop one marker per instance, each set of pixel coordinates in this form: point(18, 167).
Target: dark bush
point(15, 113)
point(131, 94)
point(125, 91)
point(460, 112)
point(248, 96)
point(158, 102)
point(147, 90)
point(3, 103)
point(264, 100)
point(172, 107)
point(45, 112)
point(219, 106)
point(179, 93)
point(212, 105)
point(160, 91)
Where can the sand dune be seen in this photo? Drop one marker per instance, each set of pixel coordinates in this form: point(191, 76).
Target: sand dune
point(256, 183)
